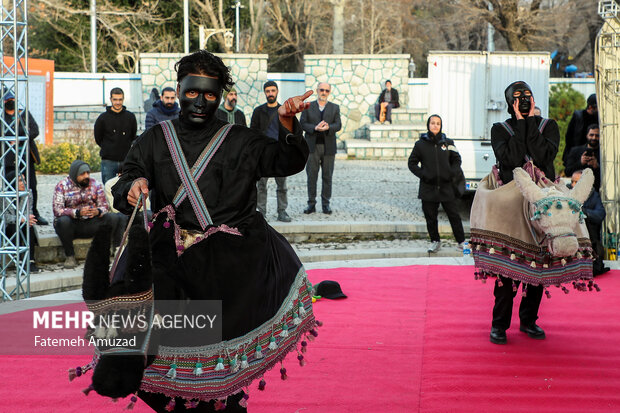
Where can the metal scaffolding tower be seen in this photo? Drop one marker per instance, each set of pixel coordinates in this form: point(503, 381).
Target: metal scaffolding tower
point(607, 68)
point(14, 149)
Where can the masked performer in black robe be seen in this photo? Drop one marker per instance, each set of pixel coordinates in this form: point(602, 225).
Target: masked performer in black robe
point(209, 243)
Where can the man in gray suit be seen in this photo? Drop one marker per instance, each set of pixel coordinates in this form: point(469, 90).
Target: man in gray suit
point(321, 121)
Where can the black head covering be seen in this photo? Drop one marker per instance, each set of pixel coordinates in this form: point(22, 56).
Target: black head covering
point(511, 89)
point(77, 168)
point(592, 99)
point(428, 122)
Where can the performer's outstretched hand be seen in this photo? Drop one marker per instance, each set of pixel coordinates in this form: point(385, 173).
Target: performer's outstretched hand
point(291, 107)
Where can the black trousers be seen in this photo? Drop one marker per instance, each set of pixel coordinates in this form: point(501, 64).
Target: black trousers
point(32, 177)
point(10, 232)
point(504, 295)
point(158, 402)
point(594, 231)
point(68, 229)
point(316, 160)
point(431, 210)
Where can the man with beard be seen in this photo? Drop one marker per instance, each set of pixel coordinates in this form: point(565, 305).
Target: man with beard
point(164, 109)
point(115, 130)
point(229, 112)
point(586, 156)
point(321, 122)
point(577, 127)
point(80, 208)
point(265, 119)
point(522, 136)
point(209, 243)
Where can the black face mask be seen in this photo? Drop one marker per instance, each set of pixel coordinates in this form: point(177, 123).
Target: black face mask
point(9, 105)
point(525, 103)
point(199, 110)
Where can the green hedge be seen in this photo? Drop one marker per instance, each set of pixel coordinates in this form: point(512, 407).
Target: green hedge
point(57, 158)
point(563, 101)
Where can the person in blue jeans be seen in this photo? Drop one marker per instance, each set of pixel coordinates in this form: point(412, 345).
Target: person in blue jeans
point(115, 130)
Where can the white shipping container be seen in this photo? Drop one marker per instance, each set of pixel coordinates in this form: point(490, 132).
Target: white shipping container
point(467, 90)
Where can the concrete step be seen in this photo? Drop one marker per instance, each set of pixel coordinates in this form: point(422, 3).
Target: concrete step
point(49, 282)
point(374, 253)
point(328, 231)
point(390, 133)
point(365, 149)
point(408, 116)
point(50, 249)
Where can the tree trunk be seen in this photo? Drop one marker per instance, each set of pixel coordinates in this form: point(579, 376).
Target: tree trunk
point(338, 40)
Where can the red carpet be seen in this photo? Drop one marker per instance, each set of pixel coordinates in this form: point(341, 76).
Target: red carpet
point(408, 339)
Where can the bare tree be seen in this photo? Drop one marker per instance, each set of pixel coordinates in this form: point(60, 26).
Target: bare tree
point(210, 14)
point(375, 26)
point(299, 27)
point(122, 31)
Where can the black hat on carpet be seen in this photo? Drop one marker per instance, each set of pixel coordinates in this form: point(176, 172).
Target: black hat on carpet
point(329, 289)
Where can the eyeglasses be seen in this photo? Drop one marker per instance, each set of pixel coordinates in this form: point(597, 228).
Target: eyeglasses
point(325, 90)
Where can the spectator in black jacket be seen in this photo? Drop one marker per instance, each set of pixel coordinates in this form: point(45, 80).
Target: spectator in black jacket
point(523, 136)
point(321, 121)
point(436, 161)
point(586, 156)
point(265, 119)
point(389, 99)
point(164, 109)
point(228, 110)
point(33, 155)
point(115, 130)
point(577, 127)
point(595, 214)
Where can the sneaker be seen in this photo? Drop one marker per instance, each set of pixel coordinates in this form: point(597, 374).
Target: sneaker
point(70, 263)
point(434, 247)
point(284, 217)
point(34, 268)
point(459, 246)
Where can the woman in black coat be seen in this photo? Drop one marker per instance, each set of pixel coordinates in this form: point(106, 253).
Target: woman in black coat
point(436, 161)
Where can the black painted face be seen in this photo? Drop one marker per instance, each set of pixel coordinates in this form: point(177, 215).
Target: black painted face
point(199, 97)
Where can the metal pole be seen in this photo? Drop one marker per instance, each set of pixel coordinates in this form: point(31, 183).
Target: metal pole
point(237, 5)
point(490, 34)
point(186, 26)
point(93, 36)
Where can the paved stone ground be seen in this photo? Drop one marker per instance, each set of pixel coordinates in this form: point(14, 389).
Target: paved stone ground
point(363, 191)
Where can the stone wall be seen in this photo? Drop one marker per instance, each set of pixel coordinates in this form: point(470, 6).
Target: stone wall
point(357, 81)
point(69, 120)
point(249, 72)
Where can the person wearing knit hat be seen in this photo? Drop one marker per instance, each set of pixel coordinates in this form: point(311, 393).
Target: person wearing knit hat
point(228, 110)
point(80, 209)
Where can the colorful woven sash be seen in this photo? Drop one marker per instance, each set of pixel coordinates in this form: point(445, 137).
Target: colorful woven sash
point(189, 177)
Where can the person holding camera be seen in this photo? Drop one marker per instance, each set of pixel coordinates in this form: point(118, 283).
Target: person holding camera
point(586, 156)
